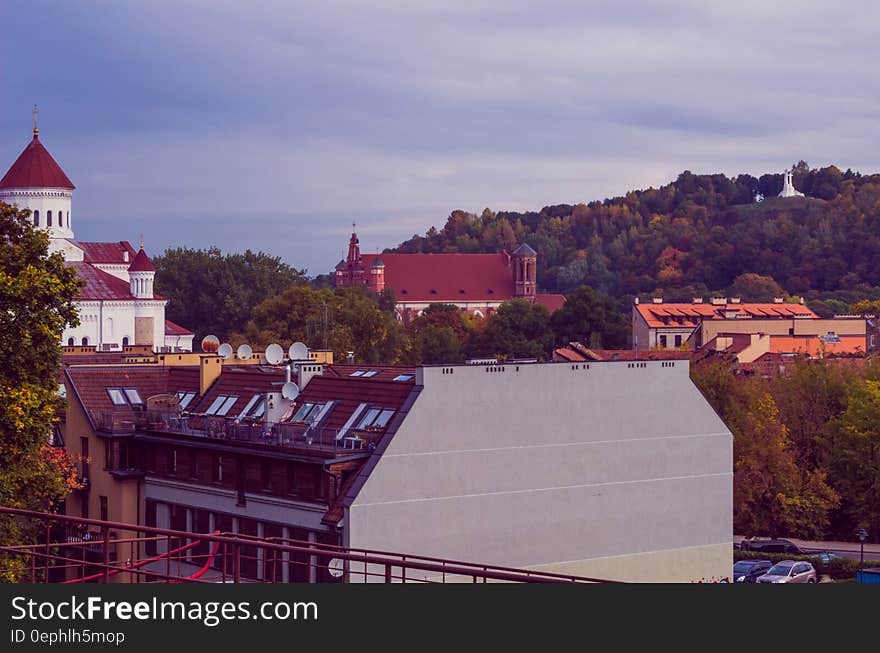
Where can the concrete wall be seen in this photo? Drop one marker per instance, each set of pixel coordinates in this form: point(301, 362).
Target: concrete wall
point(615, 469)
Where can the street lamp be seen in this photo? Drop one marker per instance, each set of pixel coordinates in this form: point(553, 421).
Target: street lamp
point(863, 535)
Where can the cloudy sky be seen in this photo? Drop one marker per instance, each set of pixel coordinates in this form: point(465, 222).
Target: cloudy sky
point(274, 125)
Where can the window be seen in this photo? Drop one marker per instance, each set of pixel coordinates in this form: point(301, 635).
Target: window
point(358, 373)
point(383, 418)
point(117, 396)
point(304, 409)
point(85, 342)
point(259, 410)
point(125, 341)
point(104, 510)
point(218, 469)
point(215, 405)
point(678, 341)
point(663, 341)
point(185, 398)
point(173, 461)
point(370, 373)
point(253, 408)
point(230, 401)
point(71, 342)
point(403, 377)
point(36, 218)
point(133, 397)
point(49, 218)
point(371, 415)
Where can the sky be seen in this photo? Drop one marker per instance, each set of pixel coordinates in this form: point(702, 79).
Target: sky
point(274, 125)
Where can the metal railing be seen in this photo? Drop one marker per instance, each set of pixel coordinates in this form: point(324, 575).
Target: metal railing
point(284, 434)
point(135, 553)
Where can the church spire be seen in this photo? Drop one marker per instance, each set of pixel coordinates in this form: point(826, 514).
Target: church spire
point(36, 129)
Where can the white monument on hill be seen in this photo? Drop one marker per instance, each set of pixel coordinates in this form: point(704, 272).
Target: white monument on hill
point(788, 189)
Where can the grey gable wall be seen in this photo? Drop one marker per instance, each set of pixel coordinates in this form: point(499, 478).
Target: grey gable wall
point(554, 466)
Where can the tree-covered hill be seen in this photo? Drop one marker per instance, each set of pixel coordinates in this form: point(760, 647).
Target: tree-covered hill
point(695, 236)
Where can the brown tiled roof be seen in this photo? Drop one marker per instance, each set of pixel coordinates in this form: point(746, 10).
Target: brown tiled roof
point(385, 372)
point(550, 301)
point(101, 285)
point(172, 329)
point(576, 352)
point(242, 381)
point(91, 383)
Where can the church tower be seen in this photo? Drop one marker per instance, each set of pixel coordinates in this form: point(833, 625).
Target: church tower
point(377, 276)
point(36, 182)
point(525, 271)
point(353, 271)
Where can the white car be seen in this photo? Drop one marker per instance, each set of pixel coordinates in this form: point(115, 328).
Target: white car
point(790, 571)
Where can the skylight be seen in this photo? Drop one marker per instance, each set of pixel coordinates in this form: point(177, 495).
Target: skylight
point(301, 413)
point(370, 373)
point(403, 377)
point(358, 373)
point(375, 418)
point(133, 397)
point(227, 405)
point(184, 399)
point(117, 397)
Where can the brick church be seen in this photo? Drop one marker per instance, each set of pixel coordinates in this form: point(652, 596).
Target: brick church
point(476, 283)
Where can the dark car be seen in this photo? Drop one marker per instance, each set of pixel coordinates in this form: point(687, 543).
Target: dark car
point(747, 571)
point(771, 546)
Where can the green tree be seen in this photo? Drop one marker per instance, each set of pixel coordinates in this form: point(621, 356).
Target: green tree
point(37, 292)
point(438, 345)
point(592, 319)
point(518, 329)
point(212, 292)
point(344, 319)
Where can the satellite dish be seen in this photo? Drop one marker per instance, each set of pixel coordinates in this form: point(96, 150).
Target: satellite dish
point(244, 352)
point(335, 567)
point(290, 390)
point(210, 343)
point(274, 354)
point(298, 352)
point(224, 351)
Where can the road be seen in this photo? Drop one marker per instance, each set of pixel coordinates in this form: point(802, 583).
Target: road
point(845, 549)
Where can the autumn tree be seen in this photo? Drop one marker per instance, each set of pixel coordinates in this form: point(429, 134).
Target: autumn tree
point(37, 294)
point(751, 287)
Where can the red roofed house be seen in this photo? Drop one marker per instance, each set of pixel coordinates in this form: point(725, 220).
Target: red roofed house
point(117, 305)
point(476, 283)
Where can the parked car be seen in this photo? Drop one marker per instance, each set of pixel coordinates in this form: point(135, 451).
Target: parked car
point(825, 557)
point(747, 571)
point(790, 571)
point(771, 546)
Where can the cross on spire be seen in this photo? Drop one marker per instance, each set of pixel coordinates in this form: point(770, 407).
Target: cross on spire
point(36, 111)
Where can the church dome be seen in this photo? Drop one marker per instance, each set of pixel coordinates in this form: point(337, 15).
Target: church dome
point(141, 263)
point(35, 168)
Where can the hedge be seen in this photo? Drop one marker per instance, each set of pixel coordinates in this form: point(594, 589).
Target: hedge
point(839, 568)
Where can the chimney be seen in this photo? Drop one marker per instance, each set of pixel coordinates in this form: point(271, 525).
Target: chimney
point(719, 301)
point(698, 300)
point(657, 300)
point(801, 300)
point(349, 357)
point(734, 300)
point(636, 300)
point(209, 371)
point(305, 372)
point(778, 300)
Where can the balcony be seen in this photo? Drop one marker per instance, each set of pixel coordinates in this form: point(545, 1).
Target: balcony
point(292, 435)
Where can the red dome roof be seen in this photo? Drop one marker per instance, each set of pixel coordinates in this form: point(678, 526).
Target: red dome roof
point(35, 168)
point(141, 263)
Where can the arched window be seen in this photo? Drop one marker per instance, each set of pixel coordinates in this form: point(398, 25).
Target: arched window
point(125, 341)
point(71, 342)
point(68, 219)
point(478, 313)
point(85, 341)
point(49, 218)
point(36, 218)
point(60, 219)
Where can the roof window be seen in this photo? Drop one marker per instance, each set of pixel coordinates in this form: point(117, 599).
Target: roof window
point(370, 373)
point(403, 377)
point(358, 373)
point(133, 396)
point(221, 405)
point(184, 398)
point(375, 418)
point(117, 397)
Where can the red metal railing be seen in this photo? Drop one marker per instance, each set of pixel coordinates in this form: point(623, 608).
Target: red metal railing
point(232, 557)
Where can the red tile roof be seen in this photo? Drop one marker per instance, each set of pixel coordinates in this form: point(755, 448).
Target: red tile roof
point(172, 329)
point(815, 347)
point(107, 252)
point(101, 285)
point(576, 353)
point(550, 301)
point(141, 263)
point(35, 168)
point(446, 277)
point(659, 315)
point(385, 372)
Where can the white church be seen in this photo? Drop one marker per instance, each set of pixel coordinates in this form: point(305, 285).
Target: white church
point(117, 305)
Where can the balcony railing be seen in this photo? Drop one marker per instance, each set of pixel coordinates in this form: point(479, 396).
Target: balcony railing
point(296, 435)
